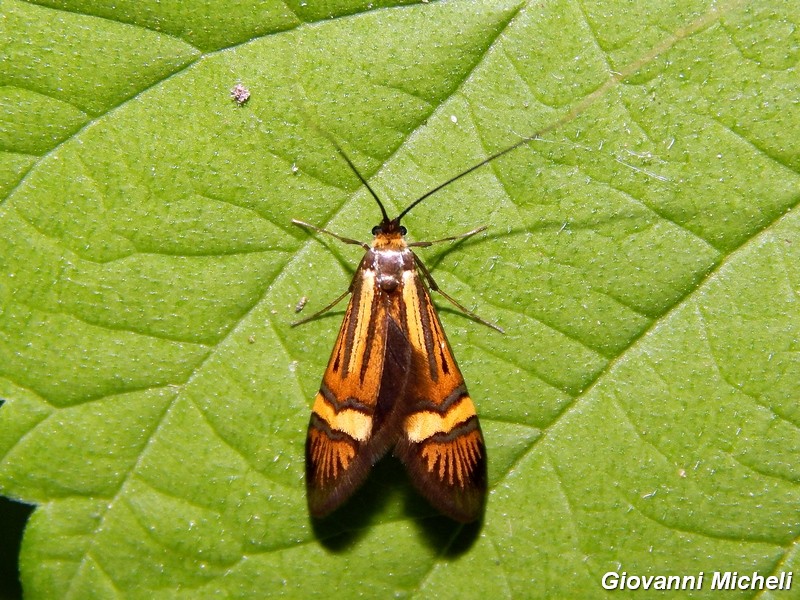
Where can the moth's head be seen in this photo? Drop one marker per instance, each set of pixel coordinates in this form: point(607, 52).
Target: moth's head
point(389, 229)
point(389, 235)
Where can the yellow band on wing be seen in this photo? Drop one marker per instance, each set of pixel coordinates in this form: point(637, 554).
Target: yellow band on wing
point(352, 422)
point(422, 425)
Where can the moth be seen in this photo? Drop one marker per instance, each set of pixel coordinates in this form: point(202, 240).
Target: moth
point(392, 382)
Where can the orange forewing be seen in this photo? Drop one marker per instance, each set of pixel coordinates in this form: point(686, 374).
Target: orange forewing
point(442, 445)
point(339, 451)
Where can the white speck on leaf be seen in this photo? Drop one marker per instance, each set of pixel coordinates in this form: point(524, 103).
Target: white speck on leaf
point(240, 94)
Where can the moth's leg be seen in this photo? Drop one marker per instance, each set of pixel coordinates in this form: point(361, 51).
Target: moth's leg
point(322, 311)
point(452, 238)
point(349, 289)
point(330, 233)
point(433, 285)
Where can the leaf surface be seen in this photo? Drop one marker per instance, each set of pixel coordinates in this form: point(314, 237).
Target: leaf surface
point(640, 413)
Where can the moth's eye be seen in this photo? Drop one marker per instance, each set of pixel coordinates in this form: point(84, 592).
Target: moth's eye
point(376, 229)
point(403, 230)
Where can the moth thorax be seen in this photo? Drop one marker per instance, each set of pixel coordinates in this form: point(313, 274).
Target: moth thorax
point(389, 267)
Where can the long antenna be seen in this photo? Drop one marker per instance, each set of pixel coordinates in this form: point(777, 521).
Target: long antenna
point(386, 218)
point(522, 142)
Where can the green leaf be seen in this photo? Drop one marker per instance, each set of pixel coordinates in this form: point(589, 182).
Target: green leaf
point(641, 411)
